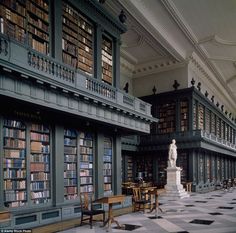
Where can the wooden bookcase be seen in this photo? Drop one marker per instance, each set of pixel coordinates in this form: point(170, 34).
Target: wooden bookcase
point(129, 171)
point(200, 116)
point(107, 60)
point(38, 25)
point(70, 164)
point(27, 22)
point(40, 170)
point(86, 162)
point(14, 163)
point(167, 118)
point(184, 115)
point(107, 165)
point(13, 19)
point(77, 40)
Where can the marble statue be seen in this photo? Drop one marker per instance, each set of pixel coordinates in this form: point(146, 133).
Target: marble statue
point(172, 154)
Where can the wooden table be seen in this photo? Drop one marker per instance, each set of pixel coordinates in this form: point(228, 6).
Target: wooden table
point(111, 200)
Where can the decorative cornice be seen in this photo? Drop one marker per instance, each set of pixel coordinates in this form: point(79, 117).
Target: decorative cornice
point(155, 67)
point(218, 40)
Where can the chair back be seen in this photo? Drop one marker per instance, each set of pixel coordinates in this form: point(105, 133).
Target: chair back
point(86, 200)
point(137, 194)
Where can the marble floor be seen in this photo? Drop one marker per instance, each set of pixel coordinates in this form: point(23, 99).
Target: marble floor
point(213, 212)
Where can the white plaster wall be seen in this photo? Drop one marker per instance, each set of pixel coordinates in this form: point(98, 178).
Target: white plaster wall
point(163, 81)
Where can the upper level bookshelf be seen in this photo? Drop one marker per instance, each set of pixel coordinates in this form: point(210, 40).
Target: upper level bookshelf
point(26, 21)
point(40, 169)
point(86, 162)
point(184, 115)
point(77, 40)
point(167, 117)
point(14, 163)
point(70, 164)
point(107, 60)
point(107, 165)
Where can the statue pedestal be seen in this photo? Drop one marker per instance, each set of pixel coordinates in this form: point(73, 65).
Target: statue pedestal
point(174, 189)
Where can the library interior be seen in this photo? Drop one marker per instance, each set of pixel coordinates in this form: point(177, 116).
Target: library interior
point(92, 94)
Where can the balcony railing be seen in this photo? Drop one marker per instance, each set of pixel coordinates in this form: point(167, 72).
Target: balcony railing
point(187, 136)
point(49, 70)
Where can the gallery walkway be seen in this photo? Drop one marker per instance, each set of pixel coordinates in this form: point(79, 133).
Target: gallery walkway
point(213, 212)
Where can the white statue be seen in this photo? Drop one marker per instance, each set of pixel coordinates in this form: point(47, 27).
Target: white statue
point(172, 154)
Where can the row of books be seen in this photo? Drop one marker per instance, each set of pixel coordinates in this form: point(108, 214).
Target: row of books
point(39, 185)
point(42, 47)
point(11, 195)
point(70, 182)
point(70, 174)
point(43, 158)
point(72, 190)
point(13, 153)
point(14, 173)
point(69, 38)
point(42, 194)
point(72, 61)
point(86, 165)
point(107, 158)
point(19, 7)
point(40, 128)
point(70, 166)
point(107, 165)
point(107, 179)
point(38, 12)
point(107, 187)
point(13, 17)
point(69, 32)
point(39, 136)
point(69, 48)
point(86, 68)
point(86, 172)
point(14, 163)
point(70, 141)
point(15, 133)
point(39, 167)
point(39, 147)
point(41, 3)
point(70, 158)
point(70, 150)
point(70, 133)
point(86, 150)
point(13, 123)
point(86, 180)
point(107, 172)
point(86, 158)
point(14, 143)
point(40, 176)
point(14, 184)
point(86, 188)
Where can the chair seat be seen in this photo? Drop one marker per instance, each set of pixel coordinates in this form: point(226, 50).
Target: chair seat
point(93, 212)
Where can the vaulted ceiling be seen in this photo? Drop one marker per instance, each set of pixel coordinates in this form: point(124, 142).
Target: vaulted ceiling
point(163, 33)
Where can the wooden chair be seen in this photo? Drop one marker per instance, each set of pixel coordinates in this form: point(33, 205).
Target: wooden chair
point(139, 200)
point(87, 209)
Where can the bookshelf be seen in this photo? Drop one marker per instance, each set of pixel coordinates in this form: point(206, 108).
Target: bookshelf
point(200, 116)
point(107, 60)
point(70, 165)
point(13, 19)
point(207, 120)
point(107, 165)
point(167, 118)
point(77, 40)
point(40, 177)
point(194, 115)
point(70, 39)
point(86, 162)
point(182, 162)
point(213, 123)
point(218, 127)
point(14, 163)
point(26, 20)
point(38, 25)
point(184, 112)
point(85, 62)
point(129, 168)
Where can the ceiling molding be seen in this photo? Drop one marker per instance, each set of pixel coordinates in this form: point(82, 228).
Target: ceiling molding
point(221, 58)
point(155, 37)
point(218, 40)
point(169, 4)
point(128, 56)
point(156, 67)
point(231, 79)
